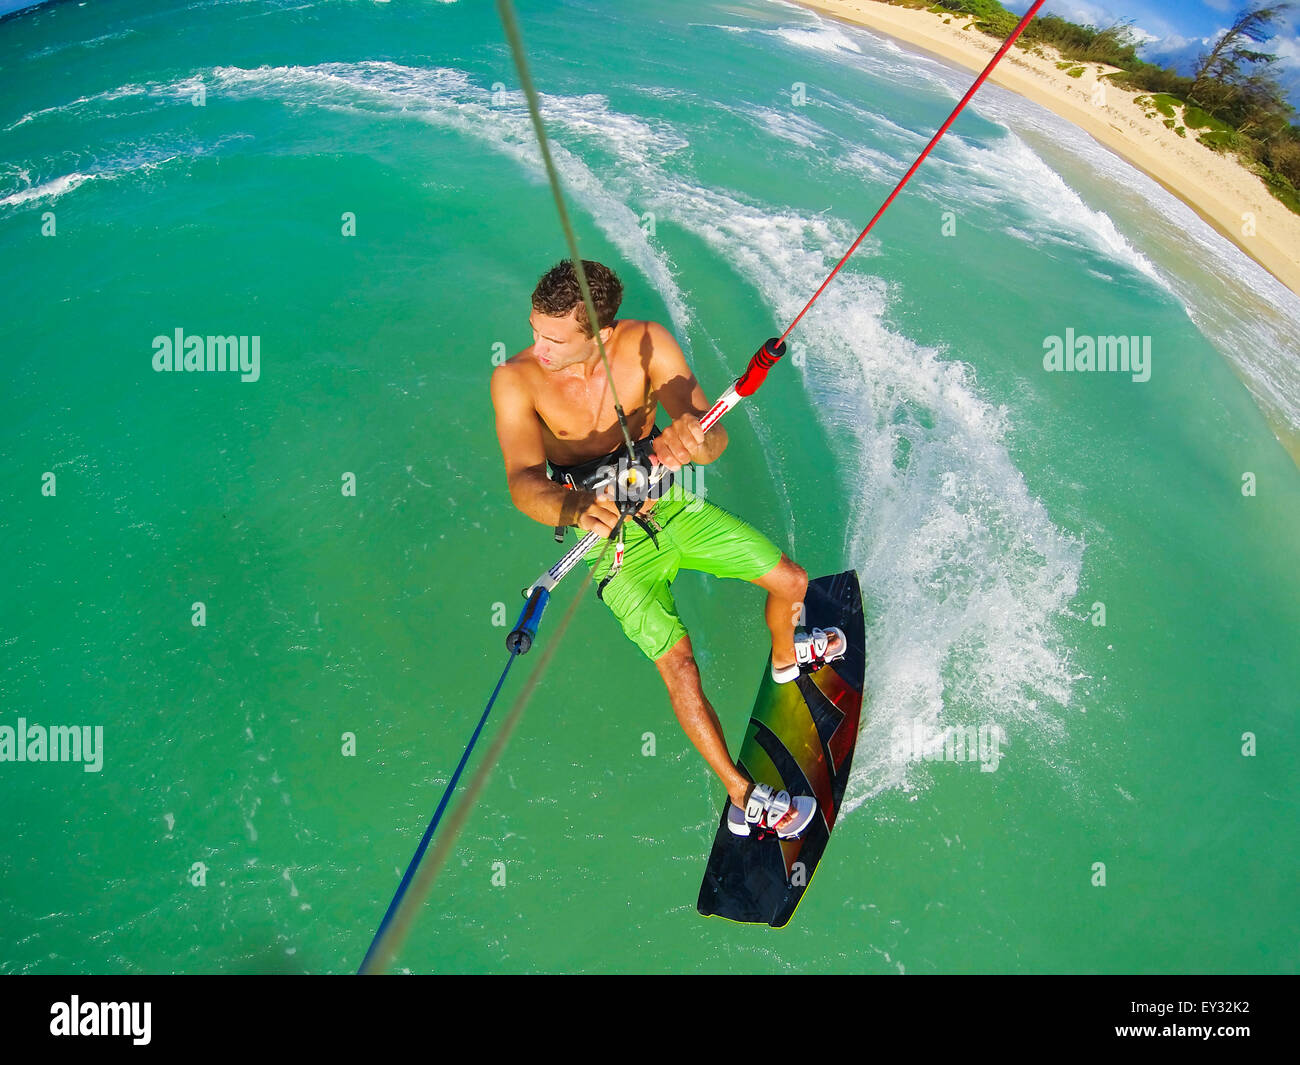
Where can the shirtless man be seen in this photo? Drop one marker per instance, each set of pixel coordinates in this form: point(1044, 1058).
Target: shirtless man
point(553, 405)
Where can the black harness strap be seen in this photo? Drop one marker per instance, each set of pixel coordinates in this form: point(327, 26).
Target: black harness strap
point(595, 473)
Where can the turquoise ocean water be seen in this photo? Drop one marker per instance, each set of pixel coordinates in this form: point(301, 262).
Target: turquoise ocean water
point(192, 166)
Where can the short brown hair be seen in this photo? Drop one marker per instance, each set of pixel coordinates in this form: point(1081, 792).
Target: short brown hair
point(557, 293)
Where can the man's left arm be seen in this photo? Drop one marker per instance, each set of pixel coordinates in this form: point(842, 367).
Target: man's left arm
point(681, 396)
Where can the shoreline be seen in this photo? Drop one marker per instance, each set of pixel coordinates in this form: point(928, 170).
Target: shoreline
point(1216, 187)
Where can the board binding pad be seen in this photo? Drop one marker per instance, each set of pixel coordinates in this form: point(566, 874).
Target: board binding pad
point(800, 738)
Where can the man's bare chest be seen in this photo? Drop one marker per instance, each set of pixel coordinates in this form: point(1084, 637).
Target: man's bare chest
point(578, 417)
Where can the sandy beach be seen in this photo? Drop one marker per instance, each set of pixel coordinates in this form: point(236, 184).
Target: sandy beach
point(1217, 187)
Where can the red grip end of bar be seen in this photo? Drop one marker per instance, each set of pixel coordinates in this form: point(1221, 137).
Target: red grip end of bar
point(756, 373)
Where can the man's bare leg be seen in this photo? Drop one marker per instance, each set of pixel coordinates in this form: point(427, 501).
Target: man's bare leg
point(682, 678)
point(786, 584)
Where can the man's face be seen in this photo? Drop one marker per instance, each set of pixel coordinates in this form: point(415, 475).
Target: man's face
point(559, 342)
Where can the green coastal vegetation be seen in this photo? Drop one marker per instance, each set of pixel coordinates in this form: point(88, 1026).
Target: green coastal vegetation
point(1232, 102)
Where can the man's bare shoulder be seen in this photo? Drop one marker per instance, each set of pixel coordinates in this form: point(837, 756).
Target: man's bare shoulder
point(652, 342)
point(514, 378)
point(520, 361)
point(629, 328)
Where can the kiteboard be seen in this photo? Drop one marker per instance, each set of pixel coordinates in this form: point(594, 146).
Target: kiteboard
point(800, 738)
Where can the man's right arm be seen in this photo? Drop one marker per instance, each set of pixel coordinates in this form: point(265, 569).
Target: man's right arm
point(522, 447)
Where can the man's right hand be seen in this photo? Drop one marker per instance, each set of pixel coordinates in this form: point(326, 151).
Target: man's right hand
point(600, 515)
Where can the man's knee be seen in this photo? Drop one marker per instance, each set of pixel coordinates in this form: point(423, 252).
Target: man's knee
point(798, 579)
point(677, 665)
point(787, 579)
point(678, 655)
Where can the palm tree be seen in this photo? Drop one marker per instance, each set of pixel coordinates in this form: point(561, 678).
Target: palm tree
point(1227, 62)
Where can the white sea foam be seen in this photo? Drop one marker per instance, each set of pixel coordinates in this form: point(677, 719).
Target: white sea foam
point(52, 189)
point(967, 575)
point(1007, 179)
point(131, 162)
point(824, 38)
point(93, 42)
point(72, 106)
point(785, 125)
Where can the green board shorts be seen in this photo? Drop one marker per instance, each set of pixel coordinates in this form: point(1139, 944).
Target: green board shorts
point(694, 534)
